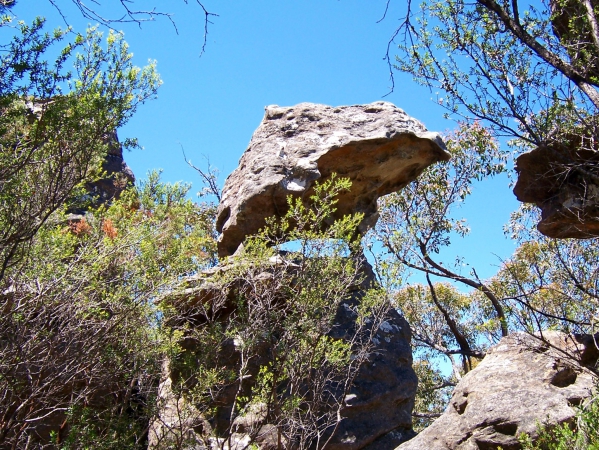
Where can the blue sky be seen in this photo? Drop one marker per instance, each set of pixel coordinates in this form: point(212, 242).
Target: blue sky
point(273, 52)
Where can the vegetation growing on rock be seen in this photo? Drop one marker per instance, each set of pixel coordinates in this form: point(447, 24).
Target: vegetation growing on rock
point(89, 320)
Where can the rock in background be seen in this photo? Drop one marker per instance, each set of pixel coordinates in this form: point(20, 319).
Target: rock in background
point(562, 182)
point(117, 177)
point(521, 383)
point(378, 146)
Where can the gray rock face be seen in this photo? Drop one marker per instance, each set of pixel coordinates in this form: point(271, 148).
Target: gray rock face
point(519, 384)
point(378, 406)
point(378, 146)
point(118, 176)
point(118, 173)
point(380, 403)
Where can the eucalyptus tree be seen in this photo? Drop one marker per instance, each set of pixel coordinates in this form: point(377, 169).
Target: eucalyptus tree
point(454, 314)
point(527, 69)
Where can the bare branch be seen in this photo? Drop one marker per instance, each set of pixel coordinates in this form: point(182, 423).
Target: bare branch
point(132, 15)
point(408, 29)
point(385, 12)
point(209, 178)
point(421, 415)
point(480, 286)
point(568, 70)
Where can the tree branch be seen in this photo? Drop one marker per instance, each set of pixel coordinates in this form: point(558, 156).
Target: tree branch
point(459, 337)
point(549, 57)
point(479, 286)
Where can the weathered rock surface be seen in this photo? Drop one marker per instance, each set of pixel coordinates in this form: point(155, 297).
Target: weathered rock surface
point(118, 174)
point(379, 405)
point(520, 383)
point(568, 197)
point(378, 146)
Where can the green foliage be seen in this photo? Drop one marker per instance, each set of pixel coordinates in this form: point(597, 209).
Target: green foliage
point(432, 396)
point(81, 321)
point(277, 309)
point(547, 284)
point(427, 316)
point(56, 125)
point(415, 224)
point(80, 343)
point(423, 212)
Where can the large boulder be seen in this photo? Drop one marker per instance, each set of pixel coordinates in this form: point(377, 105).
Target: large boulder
point(377, 408)
point(378, 146)
point(521, 383)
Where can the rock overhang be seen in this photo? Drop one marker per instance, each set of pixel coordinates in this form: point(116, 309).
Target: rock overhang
point(377, 146)
point(561, 181)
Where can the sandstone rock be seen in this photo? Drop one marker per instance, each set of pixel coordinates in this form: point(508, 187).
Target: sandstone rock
point(381, 400)
point(521, 383)
point(378, 146)
point(568, 199)
point(118, 173)
point(379, 404)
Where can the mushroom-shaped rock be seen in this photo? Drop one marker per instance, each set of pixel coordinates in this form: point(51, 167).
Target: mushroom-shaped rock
point(377, 146)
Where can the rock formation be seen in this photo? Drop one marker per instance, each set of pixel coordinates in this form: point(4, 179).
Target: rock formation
point(521, 383)
point(378, 406)
point(557, 180)
point(378, 146)
point(380, 149)
point(380, 403)
point(118, 173)
point(561, 177)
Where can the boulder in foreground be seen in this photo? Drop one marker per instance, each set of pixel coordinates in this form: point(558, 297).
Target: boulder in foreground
point(521, 383)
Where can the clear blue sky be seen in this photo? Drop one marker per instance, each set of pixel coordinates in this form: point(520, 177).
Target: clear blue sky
point(272, 52)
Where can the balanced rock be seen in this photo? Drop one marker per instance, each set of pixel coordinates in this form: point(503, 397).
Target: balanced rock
point(377, 146)
point(521, 383)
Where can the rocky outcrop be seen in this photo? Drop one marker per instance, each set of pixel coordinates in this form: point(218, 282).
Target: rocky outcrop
point(118, 174)
point(521, 383)
point(563, 182)
point(378, 406)
point(378, 146)
point(380, 149)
